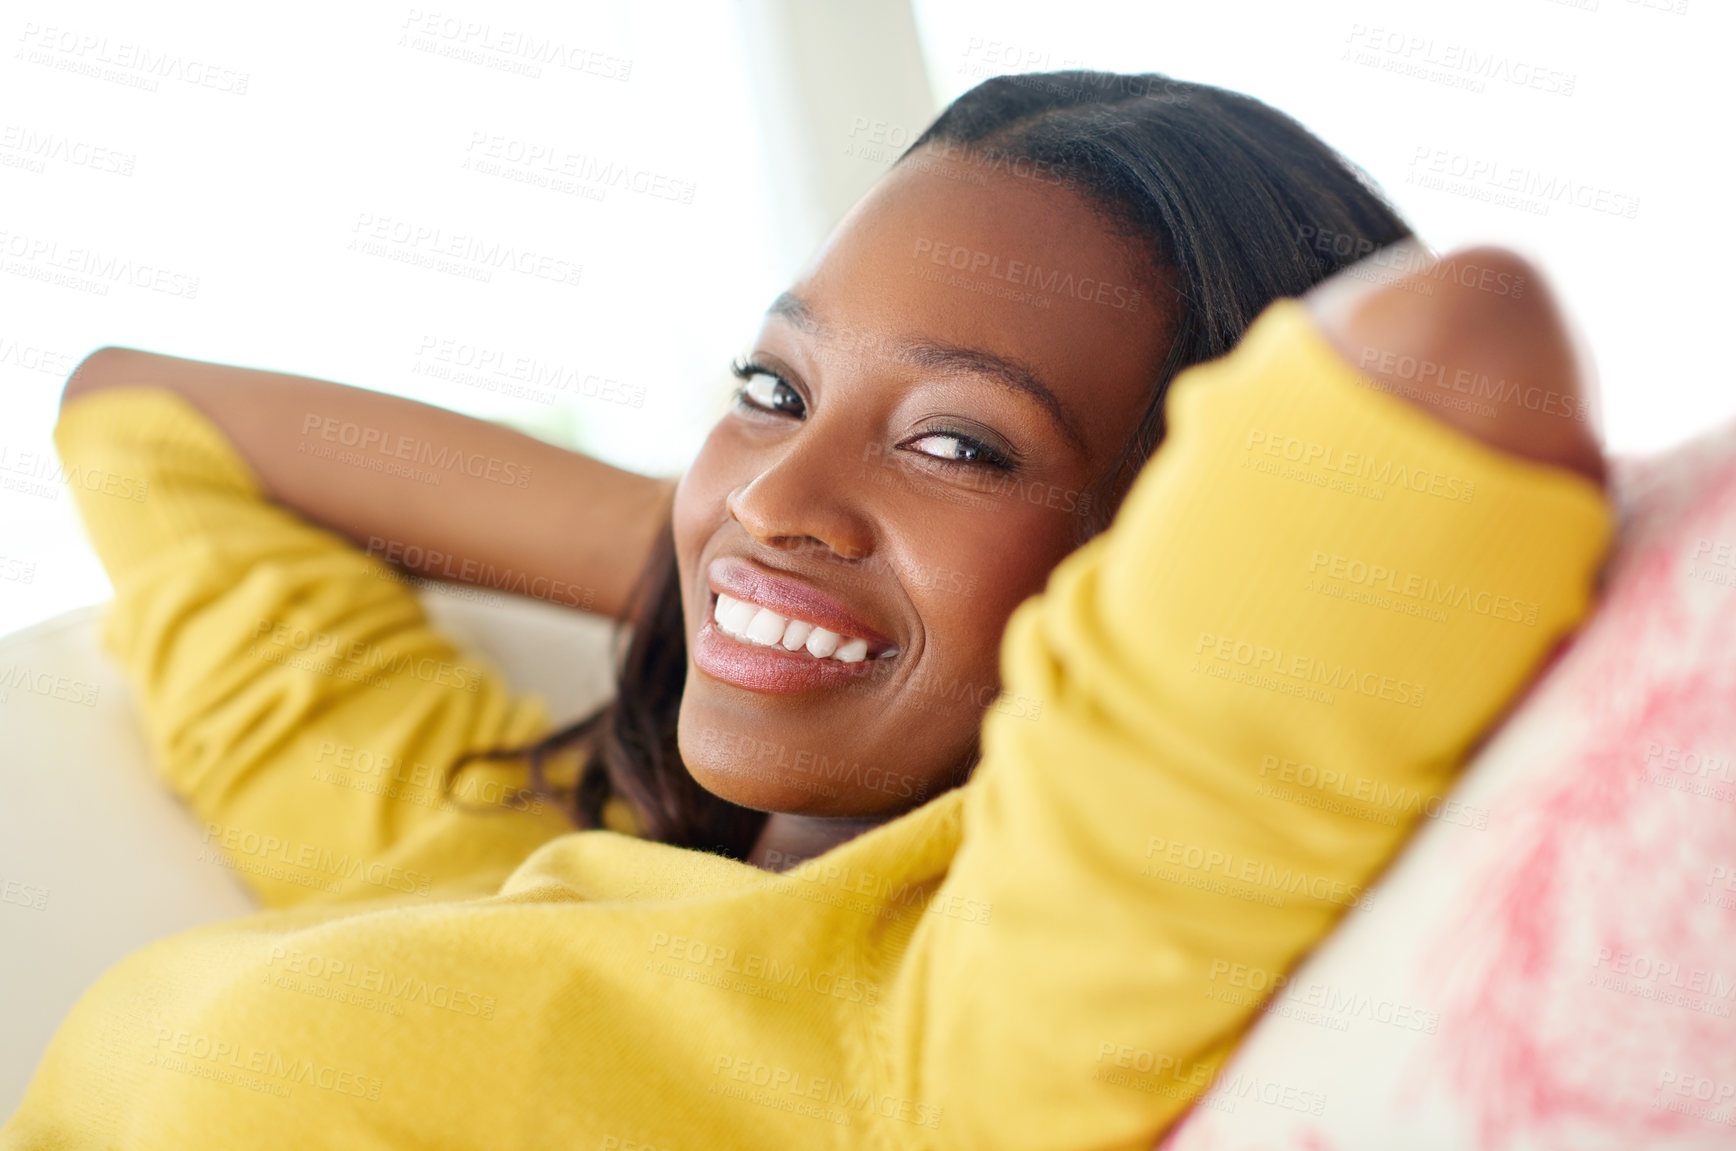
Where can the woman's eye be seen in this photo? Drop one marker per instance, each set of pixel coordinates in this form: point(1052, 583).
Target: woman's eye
point(771, 394)
point(956, 449)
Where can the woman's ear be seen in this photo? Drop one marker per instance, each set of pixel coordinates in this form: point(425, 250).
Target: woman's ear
point(1419, 327)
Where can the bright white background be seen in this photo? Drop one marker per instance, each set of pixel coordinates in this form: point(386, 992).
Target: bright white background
point(257, 194)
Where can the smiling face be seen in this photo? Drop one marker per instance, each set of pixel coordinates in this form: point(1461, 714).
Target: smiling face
point(924, 421)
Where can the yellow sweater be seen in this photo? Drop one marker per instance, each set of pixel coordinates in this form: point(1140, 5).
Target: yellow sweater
point(1312, 602)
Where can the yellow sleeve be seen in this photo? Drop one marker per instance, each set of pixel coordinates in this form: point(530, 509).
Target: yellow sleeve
point(290, 686)
point(1312, 581)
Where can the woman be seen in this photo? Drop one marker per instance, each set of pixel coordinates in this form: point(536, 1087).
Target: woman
point(935, 415)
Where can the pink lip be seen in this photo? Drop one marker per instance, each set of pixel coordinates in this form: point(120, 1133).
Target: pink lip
point(772, 669)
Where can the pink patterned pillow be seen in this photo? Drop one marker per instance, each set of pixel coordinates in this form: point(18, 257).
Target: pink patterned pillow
point(1552, 963)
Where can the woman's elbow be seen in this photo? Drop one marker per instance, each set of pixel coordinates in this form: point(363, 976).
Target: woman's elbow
point(103, 368)
point(1481, 314)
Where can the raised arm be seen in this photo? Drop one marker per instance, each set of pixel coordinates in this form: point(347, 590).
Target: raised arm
point(423, 488)
point(292, 689)
point(1309, 573)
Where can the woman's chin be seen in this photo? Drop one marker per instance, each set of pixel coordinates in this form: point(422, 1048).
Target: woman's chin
point(762, 775)
point(762, 787)
point(773, 754)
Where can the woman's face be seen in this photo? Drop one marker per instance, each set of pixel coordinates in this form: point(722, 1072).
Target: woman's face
point(927, 415)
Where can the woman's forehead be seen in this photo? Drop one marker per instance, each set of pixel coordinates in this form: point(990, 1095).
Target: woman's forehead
point(1025, 273)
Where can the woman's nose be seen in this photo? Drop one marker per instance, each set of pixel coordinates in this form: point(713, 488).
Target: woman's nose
point(808, 493)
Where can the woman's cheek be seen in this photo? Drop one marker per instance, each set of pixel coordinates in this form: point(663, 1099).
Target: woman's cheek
point(966, 576)
point(992, 559)
point(699, 501)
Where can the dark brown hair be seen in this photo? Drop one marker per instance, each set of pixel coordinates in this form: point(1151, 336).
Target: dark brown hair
point(1235, 202)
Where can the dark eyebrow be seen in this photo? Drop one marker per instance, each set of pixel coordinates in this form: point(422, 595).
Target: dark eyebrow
point(790, 307)
point(936, 356)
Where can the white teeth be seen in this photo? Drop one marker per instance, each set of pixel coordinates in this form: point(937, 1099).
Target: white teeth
point(766, 627)
point(737, 616)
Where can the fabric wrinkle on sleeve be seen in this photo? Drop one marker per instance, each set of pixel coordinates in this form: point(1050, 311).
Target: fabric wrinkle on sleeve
point(1130, 842)
point(290, 686)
